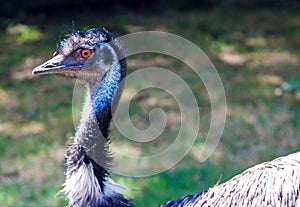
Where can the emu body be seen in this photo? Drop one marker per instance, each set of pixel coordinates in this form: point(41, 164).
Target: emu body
point(275, 184)
point(97, 59)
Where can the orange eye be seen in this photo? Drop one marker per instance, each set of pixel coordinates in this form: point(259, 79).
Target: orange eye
point(85, 53)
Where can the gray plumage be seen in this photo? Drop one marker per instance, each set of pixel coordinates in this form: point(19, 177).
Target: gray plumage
point(275, 184)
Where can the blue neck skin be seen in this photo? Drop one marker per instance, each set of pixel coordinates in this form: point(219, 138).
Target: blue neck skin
point(103, 97)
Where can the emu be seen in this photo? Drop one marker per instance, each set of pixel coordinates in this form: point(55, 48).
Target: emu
point(96, 58)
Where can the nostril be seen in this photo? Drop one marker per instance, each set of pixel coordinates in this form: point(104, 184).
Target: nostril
point(50, 66)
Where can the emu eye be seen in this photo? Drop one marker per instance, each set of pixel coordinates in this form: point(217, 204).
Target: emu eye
point(85, 53)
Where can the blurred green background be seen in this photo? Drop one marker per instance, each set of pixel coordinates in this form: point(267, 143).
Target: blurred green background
point(255, 47)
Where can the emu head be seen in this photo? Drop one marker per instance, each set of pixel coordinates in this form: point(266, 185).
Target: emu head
point(86, 55)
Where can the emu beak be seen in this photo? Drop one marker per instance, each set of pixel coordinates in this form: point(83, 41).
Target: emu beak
point(57, 65)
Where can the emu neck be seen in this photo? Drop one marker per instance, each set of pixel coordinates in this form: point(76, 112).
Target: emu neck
point(87, 182)
point(90, 137)
point(103, 98)
point(93, 130)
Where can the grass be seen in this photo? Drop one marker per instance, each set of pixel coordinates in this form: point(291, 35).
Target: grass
point(254, 53)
